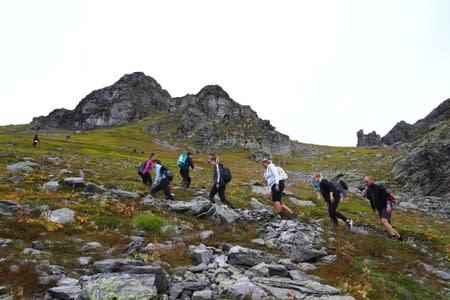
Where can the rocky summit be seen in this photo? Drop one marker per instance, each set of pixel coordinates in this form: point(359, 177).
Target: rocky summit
point(209, 119)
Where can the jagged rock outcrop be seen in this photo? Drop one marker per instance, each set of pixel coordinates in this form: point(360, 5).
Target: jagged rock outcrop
point(134, 97)
point(367, 140)
point(425, 170)
point(213, 120)
point(401, 132)
point(439, 114)
point(210, 119)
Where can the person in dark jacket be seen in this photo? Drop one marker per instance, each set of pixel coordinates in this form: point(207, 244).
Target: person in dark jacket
point(184, 171)
point(36, 140)
point(219, 185)
point(332, 197)
point(146, 176)
point(378, 197)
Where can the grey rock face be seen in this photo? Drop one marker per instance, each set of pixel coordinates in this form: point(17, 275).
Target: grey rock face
point(134, 97)
point(367, 140)
point(401, 132)
point(426, 168)
point(248, 257)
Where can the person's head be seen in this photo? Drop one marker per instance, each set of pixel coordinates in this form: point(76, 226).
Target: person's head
point(368, 181)
point(212, 159)
point(152, 156)
point(157, 161)
point(265, 162)
point(318, 177)
point(189, 153)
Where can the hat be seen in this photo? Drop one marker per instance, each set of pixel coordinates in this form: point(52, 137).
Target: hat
point(265, 159)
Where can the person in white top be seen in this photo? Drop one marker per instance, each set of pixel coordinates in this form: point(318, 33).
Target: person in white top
point(276, 187)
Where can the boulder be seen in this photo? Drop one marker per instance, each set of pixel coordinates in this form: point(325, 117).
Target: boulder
point(23, 166)
point(51, 186)
point(62, 216)
point(116, 265)
point(74, 181)
point(118, 286)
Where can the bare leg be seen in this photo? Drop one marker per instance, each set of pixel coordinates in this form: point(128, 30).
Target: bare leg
point(389, 228)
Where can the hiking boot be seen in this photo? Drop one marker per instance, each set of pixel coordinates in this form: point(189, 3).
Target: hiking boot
point(350, 224)
point(396, 238)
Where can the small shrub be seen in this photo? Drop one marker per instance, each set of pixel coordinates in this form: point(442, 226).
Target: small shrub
point(148, 222)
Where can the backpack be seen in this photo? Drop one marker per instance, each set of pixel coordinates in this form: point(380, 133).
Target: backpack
point(283, 175)
point(141, 168)
point(165, 171)
point(181, 160)
point(337, 186)
point(226, 174)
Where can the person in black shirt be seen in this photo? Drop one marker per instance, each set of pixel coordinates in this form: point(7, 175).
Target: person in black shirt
point(332, 197)
point(378, 197)
point(219, 184)
point(184, 171)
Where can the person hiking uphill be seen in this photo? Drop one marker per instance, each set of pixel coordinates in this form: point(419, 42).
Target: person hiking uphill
point(219, 184)
point(276, 187)
point(332, 197)
point(162, 181)
point(378, 197)
point(35, 140)
point(146, 176)
point(184, 170)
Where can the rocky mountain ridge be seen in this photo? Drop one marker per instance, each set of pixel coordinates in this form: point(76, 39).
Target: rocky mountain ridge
point(208, 119)
point(404, 132)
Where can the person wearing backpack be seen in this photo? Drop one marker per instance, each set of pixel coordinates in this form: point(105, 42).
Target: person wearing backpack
point(381, 201)
point(276, 185)
point(332, 196)
point(146, 176)
point(184, 163)
point(162, 180)
point(219, 184)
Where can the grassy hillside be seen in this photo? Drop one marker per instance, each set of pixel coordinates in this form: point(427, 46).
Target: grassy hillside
point(368, 266)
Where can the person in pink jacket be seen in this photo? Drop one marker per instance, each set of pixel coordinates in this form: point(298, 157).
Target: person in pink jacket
point(146, 177)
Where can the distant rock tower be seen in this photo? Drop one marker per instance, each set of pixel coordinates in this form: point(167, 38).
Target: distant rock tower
point(367, 140)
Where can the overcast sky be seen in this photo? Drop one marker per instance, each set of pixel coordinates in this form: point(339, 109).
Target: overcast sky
point(318, 70)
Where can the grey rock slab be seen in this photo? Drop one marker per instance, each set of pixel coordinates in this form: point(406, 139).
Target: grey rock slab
point(84, 261)
point(93, 188)
point(116, 265)
point(202, 256)
point(67, 281)
point(91, 247)
point(222, 214)
point(134, 245)
point(38, 245)
point(74, 181)
point(243, 288)
point(118, 286)
point(51, 186)
point(23, 166)
point(304, 286)
point(248, 257)
point(62, 216)
point(439, 273)
point(177, 288)
point(162, 279)
point(64, 292)
point(202, 295)
point(125, 194)
point(196, 206)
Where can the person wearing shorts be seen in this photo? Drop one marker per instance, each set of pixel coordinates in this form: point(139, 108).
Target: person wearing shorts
point(378, 197)
point(276, 187)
